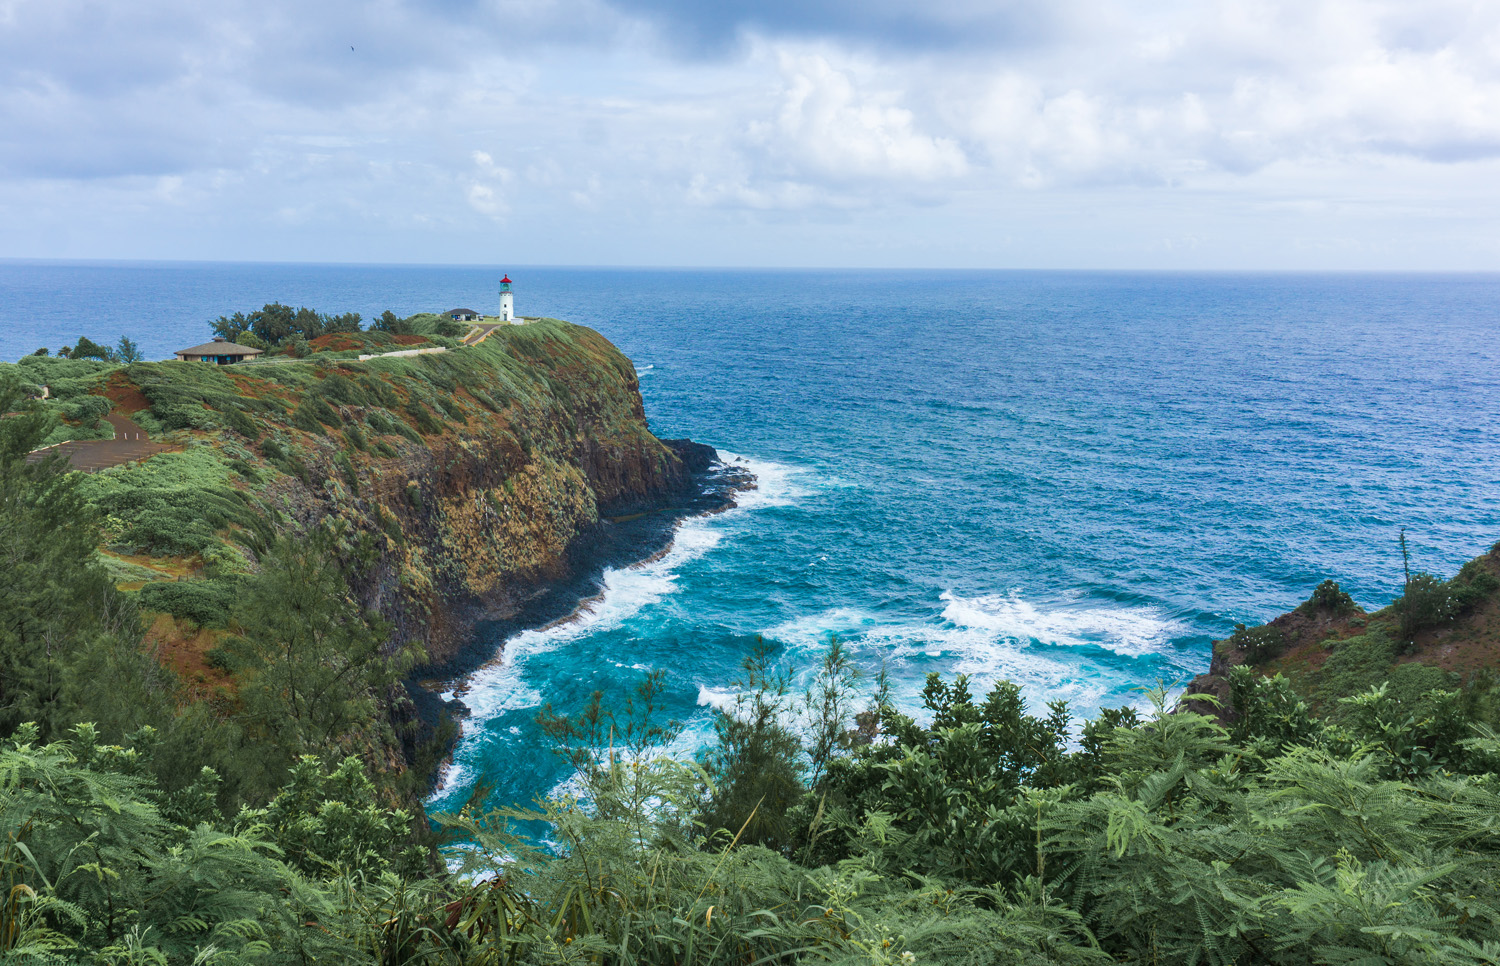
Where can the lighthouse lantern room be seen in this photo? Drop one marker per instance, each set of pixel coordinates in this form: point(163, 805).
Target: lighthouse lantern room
point(507, 303)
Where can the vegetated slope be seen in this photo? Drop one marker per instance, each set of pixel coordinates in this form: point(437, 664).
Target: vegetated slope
point(458, 483)
point(1439, 634)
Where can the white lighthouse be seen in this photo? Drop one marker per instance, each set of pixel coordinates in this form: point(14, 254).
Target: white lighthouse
point(507, 301)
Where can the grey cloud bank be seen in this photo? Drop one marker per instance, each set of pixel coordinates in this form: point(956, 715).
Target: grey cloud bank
point(1334, 134)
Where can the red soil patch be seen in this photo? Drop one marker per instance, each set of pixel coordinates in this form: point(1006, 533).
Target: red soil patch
point(185, 652)
point(337, 342)
point(125, 395)
point(409, 339)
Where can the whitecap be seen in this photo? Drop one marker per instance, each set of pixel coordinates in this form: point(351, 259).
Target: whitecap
point(1130, 631)
point(498, 687)
point(721, 699)
point(453, 775)
point(776, 484)
point(988, 639)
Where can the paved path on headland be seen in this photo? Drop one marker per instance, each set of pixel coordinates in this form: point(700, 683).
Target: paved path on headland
point(481, 329)
point(131, 443)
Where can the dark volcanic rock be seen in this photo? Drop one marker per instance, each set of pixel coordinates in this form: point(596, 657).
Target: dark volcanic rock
point(698, 458)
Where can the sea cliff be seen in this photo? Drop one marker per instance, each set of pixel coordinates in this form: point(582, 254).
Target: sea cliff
point(482, 483)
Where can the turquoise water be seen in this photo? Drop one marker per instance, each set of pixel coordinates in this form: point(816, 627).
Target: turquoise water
point(1073, 480)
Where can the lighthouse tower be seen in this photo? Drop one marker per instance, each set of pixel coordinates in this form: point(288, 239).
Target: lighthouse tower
point(507, 302)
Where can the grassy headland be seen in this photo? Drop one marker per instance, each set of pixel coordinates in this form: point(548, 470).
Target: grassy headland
point(444, 488)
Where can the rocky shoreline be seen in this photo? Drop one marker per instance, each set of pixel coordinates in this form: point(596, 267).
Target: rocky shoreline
point(632, 534)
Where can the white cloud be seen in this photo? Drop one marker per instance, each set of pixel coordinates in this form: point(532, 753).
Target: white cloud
point(828, 128)
point(569, 118)
point(484, 194)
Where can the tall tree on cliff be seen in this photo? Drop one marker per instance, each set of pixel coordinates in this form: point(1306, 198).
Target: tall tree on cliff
point(62, 623)
point(311, 663)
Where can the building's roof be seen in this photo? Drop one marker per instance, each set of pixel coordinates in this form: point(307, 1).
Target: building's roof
point(220, 347)
point(505, 280)
point(460, 312)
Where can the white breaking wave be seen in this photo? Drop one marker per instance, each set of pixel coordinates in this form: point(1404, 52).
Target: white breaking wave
point(776, 484)
point(498, 687)
point(990, 638)
point(1131, 631)
point(722, 699)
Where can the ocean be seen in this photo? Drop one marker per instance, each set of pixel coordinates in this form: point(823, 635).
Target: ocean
point(1073, 480)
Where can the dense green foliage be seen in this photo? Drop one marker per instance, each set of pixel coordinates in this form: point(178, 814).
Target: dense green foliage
point(423, 323)
point(207, 603)
point(1328, 598)
point(281, 325)
point(275, 324)
point(61, 621)
point(1357, 821)
point(176, 503)
point(72, 647)
point(311, 665)
point(69, 384)
point(1260, 644)
point(984, 837)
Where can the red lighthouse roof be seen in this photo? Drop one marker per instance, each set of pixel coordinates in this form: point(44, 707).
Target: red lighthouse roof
point(505, 280)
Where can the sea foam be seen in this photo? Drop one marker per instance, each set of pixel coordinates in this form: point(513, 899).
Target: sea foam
point(1130, 631)
point(499, 686)
point(989, 638)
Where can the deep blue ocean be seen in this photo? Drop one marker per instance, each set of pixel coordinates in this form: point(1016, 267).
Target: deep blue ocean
point(1074, 480)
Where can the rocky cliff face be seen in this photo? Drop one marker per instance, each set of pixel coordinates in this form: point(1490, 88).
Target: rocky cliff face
point(468, 523)
point(476, 484)
point(460, 484)
point(479, 483)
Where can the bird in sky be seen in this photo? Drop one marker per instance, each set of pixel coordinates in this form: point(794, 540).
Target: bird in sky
point(351, 46)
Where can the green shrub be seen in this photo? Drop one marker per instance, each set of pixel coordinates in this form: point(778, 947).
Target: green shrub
point(173, 503)
point(185, 416)
point(207, 603)
point(344, 391)
point(272, 449)
point(450, 408)
point(241, 423)
point(1474, 584)
point(380, 392)
point(423, 419)
point(66, 377)
point(1428, 602)
point(246, 471)
point(1260, 644)
point(1356, 664)
point(85, 409)
point(312, 411)
point(346, 467)
point(1329, 596)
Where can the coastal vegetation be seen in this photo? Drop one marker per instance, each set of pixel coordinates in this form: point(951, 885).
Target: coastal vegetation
point(208, 752)
point(985, 835)
point(416, 494)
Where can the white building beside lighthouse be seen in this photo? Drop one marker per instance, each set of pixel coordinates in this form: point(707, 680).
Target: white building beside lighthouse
point(507, 301)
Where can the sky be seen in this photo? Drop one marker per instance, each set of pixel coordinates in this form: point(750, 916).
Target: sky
point(1152, 134)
